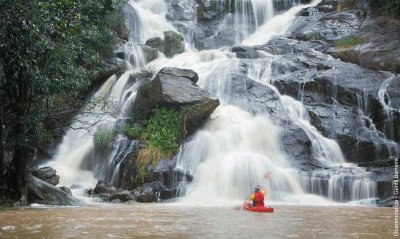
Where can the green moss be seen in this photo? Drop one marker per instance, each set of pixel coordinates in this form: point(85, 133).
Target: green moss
point(347, 42)
point(145, 90)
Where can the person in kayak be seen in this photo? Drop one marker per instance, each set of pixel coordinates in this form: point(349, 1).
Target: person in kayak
point(257, 197)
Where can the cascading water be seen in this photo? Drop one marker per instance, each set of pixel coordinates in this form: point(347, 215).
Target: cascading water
point(235, 148)
point(74, 160)
point(250, 15)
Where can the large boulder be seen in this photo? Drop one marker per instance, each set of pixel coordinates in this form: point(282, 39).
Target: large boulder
point(46, 174)
point(175, 88)
point(44, 193)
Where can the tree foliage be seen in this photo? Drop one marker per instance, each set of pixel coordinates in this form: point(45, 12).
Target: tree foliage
point(49, 51)
point(391, 7)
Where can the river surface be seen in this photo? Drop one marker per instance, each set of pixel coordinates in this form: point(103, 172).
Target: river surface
point(174, 220)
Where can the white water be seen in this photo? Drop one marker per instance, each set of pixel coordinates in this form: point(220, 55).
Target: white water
point(235, 149)
point(250, 15)
point(275, 26)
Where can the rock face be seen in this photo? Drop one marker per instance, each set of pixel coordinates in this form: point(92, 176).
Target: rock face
point(128, 172)
point(44, 193)
point(172, 44)
point(372, 41)
point(171, 88)
point(175, 88)
point(47, 174)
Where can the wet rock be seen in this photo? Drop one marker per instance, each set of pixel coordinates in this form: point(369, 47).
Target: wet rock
point(122, 196)
point(150, 53)
point(379, 49)
point(131, 22)
point(201, 20)
point(186, 73)
point(66, 189)
point(175, 88)
point(157, 43)
point(47, 174)
point(260, 99)
point(325, 22)
point(245, 52)
point(182, 11)
point(44, 193)
point(210, 9)
point(173, 43)
point(128, 166)
point(148, 192)
point(360, 142)
point(103, 188)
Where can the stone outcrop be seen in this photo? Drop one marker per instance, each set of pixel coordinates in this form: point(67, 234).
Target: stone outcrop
point(47, 174)
point(44, 193)
point(176, 88)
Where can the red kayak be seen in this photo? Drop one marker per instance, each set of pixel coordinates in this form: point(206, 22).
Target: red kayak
point(248, 206)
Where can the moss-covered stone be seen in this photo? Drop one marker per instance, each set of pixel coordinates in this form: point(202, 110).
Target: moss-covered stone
point(173, 43)
point(157, 43)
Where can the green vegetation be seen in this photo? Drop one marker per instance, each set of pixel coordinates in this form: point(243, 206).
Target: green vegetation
point(162, 129)
point(49, 52)
point(347, 42)
point(132, 132)
point(391, 7)
point(102, 139)
point(161, 133)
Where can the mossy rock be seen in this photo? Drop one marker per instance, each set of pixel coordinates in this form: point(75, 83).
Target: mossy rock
point(173, 43)
point(157, 43)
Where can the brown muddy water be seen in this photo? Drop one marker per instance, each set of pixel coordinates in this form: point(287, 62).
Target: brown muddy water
point(182, 221)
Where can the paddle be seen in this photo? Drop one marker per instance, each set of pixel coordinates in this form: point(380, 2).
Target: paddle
point(266, 176)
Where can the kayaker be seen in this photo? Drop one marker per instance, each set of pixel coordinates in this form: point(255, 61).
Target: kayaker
point(257, 197)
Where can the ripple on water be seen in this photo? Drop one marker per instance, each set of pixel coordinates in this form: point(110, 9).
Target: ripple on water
point(34, 227)
point(8, 228)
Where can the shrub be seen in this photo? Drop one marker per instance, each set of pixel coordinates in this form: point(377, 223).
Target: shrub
point(348, 42)
point(102, 139)
point(391, 7)
point(162, 129)
point(132, 132)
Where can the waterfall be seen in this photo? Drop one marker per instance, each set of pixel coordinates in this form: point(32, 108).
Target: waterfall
point(236, 147)
point(74, 159)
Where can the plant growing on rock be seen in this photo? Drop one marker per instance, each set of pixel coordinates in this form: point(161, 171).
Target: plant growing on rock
point(348, 42)
point(102, 139)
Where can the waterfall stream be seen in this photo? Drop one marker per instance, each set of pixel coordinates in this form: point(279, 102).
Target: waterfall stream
point(233, 151)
